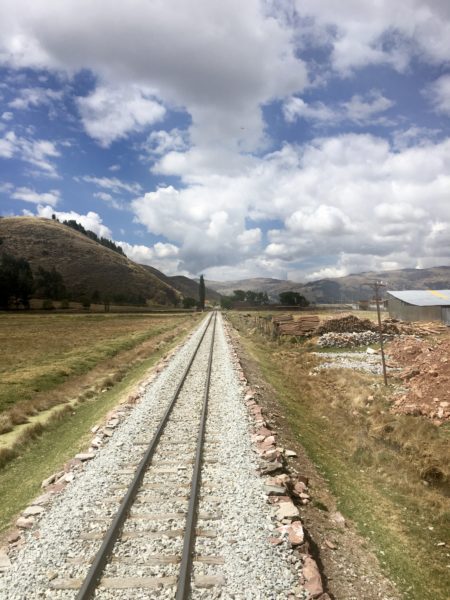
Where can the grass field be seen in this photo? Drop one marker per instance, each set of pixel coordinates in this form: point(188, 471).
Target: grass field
point(41, 353)
point(372, 460)
point(91, 361)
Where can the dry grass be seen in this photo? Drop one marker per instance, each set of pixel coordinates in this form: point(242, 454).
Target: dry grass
point(58, 360)
point(390, 473)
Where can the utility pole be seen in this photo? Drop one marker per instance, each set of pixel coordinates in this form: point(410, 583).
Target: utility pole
point(376, 285)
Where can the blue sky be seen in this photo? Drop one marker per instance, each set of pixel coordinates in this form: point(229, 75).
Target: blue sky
point(267, 138)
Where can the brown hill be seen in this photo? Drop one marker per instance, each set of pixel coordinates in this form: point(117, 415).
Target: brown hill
point(188, 287)
point(85, 265)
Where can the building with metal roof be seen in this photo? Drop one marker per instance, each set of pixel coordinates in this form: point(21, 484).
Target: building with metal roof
point(420, 305)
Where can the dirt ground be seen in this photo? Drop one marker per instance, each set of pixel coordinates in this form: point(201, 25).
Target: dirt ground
point(425, 376)
point(349, 569)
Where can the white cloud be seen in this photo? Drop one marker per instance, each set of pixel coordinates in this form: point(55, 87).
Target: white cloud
point(35, 152)
point(31, 97)
point(29, 195)
point(219, 61)
point(111, 112)
point(91, 220)
point(161, 142)
point(438, 94)
point(162, 256)
point(112, 183)
point(358, 109)
point(382, 32)
point(350, 196)
point(114, 168)
point(7, 116)
point(105, 197)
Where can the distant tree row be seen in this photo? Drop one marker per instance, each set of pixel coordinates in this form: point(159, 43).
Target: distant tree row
point(93, 236)
point(261, 299)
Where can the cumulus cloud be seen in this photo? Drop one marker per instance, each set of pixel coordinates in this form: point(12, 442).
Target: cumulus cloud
point(91, 220)
point(358, 109)
point(111, 112)
point(161, 142)
point(105, 197)
point(371, 33)
point(351, 196)
point(221, 61)
point(29, 195)
point(161, 255)
point(35, 152)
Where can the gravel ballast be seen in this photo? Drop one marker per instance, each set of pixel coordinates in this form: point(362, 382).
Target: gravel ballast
point(233, 503)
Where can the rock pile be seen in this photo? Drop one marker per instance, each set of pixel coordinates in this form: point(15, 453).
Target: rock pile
point(347, 340)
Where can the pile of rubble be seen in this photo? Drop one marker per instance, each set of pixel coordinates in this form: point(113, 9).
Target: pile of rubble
point(347, 340)
point(425, 377)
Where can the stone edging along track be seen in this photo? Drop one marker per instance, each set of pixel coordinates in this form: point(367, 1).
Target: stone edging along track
point(276, 521)
point(283, 490)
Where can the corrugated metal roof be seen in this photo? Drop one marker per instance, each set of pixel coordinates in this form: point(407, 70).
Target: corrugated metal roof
point(424, 297)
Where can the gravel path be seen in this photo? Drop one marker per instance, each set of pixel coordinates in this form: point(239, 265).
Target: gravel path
point(233, 503)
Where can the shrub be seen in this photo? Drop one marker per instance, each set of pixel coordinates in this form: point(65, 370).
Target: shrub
point(48, 305)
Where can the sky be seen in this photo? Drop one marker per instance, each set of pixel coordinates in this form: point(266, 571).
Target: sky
point(266, 138)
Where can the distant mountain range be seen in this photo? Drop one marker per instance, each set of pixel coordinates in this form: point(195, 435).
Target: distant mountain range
point(88, 267)
point(350, 288)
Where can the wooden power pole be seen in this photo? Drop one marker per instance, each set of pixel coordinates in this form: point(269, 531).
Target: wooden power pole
point(376, 285)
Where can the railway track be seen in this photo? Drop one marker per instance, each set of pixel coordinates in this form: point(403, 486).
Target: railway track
point(147, 539)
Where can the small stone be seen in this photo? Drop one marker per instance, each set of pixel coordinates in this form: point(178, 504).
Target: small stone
point(296, 534)
point(313, 581)
point(24, 523)
point(32, 511)
point(13, 536)
point(69, 477)
point(107, 432)
point(5, 563)
point(299, 488)
point(287, 510)
point(43, 499)
point(275, 541)
point(290, 453)
point(52, 479)
point(330, 545)
point(338, 518)
point(274, 490)
point(113, 422)
point(271, 467)
point(95, 429)
point(83, 456)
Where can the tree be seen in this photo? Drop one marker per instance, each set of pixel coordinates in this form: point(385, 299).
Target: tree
point(201, 293)
point(16, 281)
point(292, 299)
point(50, 284)
point(189, 302)
point(239, 295)
point(226, 302)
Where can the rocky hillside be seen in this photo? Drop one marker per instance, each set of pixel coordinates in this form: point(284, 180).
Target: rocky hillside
point(186, 286)
point(342, 289)
point(86, 266)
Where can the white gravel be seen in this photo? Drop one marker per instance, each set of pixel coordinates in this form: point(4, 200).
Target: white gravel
point(233, 504)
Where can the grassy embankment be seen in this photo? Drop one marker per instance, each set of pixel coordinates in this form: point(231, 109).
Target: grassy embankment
point(84, 365)
point(373, 460)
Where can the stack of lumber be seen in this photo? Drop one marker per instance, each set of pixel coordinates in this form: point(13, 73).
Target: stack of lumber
point(278, 319)
point(303, 326)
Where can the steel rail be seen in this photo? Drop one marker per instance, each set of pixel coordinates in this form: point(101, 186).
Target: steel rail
point(184, 579)
point(95, 572)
